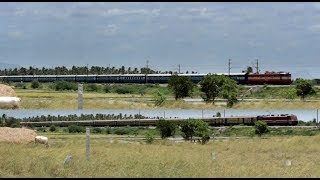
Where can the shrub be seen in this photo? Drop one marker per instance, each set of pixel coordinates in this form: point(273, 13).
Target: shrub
point(195, 127)
point(121, 131)
point(108, 130)
point(149, 137)
point(41, 129)
point(166, 128)
point(64, 85)
point(15, 125)
point(124, 89)
point(261, 127)
point(52, 128)
point(97, 130)
point(107, 88)
point(76, 129)
point(91, 88)
point(21, 85)
point(159, 98)
point(35, 84)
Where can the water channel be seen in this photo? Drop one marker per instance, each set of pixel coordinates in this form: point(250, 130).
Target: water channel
point(303, 115)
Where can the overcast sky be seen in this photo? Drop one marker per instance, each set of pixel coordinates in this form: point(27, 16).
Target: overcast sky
point(199, 36)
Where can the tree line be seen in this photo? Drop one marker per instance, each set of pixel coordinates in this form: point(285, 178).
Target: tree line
point(82, 70)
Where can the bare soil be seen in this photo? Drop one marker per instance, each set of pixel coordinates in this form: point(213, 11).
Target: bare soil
point(17, 135)
point(6, 90)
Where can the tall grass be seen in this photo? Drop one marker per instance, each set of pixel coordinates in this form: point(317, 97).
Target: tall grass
point(253, 157)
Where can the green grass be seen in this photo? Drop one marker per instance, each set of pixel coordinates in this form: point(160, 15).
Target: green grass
point(280, 92)
point(280, 131)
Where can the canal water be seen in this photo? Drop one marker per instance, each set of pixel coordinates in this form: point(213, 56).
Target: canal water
point(303, 115)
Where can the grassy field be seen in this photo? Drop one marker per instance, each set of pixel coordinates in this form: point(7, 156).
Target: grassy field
point(142, 97)
point(110, 156)
point(41, 99)
point(240, 158)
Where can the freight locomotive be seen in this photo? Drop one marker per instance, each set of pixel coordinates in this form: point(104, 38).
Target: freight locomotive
point(280, 78)
point(282, 119)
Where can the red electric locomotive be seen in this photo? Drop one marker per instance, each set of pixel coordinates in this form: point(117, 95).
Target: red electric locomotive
point(277, 78)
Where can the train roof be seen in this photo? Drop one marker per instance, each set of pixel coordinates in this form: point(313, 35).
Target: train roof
point(200, 74)
point(276, 115)
point(270, 73)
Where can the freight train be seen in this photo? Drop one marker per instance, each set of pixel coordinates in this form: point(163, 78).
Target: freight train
point(280, 78)
point(282, 119)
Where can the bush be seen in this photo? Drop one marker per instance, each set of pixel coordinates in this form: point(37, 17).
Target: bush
point(195, 127)
point(97, 130)
point(91, 88)
point(108, 130)
point(52, 128)
point(76, 129)
point(124, 89)
point(122, 131)
point(15, 125)
point(41, 129)
point(159, 98)
point(149, 137)
point(261, 127)
point(21, 85)
point(166, 128)
point(35, 84)
point(107, 89)
point(64, 85)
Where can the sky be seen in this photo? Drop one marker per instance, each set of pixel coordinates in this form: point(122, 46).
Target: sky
point(198, 36)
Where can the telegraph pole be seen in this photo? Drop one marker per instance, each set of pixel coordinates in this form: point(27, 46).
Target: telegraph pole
point(147, 69)
point(229, 67)
point(147, 64)
point(87, 70)
point(179, 68)
point(257, 66)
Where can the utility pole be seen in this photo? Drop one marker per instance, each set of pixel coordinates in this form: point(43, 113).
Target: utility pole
point(87, 70)
point(147, 69)
point(257, 66)
point(229, 67)
point(179, 68)
point(147, 64)
point(317, 119)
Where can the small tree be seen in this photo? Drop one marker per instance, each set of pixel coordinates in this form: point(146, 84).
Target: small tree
point(192, 127)
point(159, 98)
point(182, 86)
point(166, 128)
point(52, 128)
point(149, 137)
point(230, 91)
point(261, 127)
point(213, 86)
point(210, 87)
point(304, 87)
point(35, 84)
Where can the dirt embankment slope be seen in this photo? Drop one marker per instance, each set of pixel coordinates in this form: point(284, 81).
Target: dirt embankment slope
point(17, 135)
point(6, 90)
